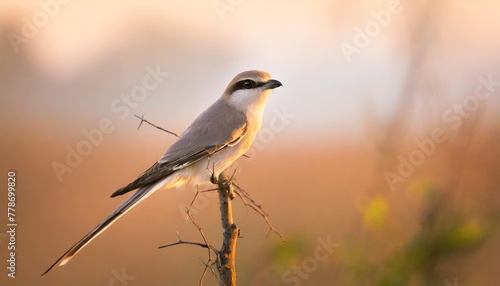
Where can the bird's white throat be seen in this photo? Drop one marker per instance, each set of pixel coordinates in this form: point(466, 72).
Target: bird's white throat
point(250, 101)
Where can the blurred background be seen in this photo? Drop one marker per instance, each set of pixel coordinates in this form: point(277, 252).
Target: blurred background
point(378, 159)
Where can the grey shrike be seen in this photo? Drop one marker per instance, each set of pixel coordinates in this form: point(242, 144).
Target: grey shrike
point(219, 136)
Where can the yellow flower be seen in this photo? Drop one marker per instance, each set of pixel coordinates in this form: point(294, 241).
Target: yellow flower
point(375, 213)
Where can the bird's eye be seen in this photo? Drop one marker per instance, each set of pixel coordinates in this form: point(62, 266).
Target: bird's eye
point(247, 84)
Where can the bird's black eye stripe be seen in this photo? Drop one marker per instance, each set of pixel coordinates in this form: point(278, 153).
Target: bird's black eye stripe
point(247, 84)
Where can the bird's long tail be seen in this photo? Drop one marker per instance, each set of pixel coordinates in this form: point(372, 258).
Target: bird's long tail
point(137, 197)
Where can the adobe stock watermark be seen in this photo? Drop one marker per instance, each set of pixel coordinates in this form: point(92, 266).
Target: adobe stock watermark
point(451, 119)
point(122, 107)
point(39, 20)
point(277, 124)
point(372, 29)
point(298, 273)
point(221, 7)
point(120, 278)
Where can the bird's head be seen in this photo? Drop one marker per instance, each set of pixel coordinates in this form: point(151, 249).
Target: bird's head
point(250, 90)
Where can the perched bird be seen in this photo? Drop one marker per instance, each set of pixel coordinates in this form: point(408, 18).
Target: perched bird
point(219, 136)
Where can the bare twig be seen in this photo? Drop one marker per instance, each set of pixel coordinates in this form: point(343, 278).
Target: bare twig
point(184, 242)
point(248, 201)
point(201, 233)
point(163, 129)
point(213, 273)
point(204, 245)
point(200, 230)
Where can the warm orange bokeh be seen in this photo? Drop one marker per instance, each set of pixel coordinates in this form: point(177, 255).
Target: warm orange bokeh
point(378, 158)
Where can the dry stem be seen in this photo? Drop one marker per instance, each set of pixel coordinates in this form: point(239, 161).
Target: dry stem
point(230, 231)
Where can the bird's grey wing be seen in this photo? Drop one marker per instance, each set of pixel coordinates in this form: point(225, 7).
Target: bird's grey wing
point(218, 127)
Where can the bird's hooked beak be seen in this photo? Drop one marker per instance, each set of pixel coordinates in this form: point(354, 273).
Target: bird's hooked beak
point(272, 83)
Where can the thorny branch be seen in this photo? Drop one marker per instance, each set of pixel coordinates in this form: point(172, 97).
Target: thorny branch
point(225, 257)
point(225, 260)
